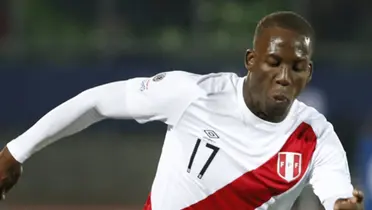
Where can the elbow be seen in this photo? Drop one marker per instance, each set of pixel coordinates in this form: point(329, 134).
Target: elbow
point(96, 104)
point(91, 101)
point(106, 101)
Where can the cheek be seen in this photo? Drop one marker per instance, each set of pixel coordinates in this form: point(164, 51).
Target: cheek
point(300, 84)
point(260, 83)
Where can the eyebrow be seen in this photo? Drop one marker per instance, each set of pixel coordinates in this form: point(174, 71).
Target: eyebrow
point(277, 57)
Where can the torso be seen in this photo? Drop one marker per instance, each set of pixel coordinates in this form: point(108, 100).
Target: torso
point(220, 156)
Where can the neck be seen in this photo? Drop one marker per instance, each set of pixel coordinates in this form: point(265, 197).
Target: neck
point(254, 107)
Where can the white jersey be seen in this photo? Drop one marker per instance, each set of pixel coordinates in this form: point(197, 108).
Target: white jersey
point(217, 154)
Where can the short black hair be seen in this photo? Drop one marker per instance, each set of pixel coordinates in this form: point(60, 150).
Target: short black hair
point(286, 20)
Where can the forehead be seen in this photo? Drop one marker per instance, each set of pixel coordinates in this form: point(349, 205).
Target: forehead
point(283, 42)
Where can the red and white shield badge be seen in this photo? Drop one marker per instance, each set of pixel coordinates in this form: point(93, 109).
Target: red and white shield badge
point(289, 165)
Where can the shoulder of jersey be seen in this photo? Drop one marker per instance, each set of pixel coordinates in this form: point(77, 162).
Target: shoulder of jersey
point(215, 83)
point(210, 83)
point(313, 117)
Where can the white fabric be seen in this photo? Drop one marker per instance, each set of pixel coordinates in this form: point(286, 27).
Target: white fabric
point(140, 98)
point(207, 114)
point(330, 177)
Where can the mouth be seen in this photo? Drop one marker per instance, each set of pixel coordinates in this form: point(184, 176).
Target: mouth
point(280, 98)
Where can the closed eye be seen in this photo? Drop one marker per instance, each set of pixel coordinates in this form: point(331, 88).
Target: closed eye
point(300, 66)
point(274, 61)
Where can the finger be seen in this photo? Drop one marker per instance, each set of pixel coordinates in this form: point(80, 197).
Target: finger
point(9, 187)
point(358, 195)
point(9, 183)
point(345, 206)
point(2, 190)
point(3, 195)
point(11, 180)
point(353, 200)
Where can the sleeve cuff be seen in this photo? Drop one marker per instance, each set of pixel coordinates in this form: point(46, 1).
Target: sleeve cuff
point(17, 152)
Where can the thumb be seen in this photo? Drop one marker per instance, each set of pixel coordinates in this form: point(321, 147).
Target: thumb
point(3, 195)
point(353, 200)
point(358, 196)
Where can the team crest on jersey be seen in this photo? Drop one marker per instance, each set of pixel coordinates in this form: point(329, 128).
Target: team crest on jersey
point(289, 165)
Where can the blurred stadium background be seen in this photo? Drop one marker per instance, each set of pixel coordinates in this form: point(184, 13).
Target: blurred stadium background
point(50, 50)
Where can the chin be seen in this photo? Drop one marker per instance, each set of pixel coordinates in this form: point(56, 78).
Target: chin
point(278, 109)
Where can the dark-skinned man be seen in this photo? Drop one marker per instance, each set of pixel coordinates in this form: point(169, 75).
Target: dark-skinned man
point(232, 142)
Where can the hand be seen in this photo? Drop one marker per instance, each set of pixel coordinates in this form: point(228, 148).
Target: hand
point(10, 171)
point(354, 203)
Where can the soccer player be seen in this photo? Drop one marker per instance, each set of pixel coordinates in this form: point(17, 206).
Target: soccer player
point(232, 142)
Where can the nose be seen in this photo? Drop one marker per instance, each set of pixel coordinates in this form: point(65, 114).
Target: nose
point(283, 78)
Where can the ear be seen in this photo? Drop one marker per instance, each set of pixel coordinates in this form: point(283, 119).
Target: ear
point(249, 59)
point(310, 72)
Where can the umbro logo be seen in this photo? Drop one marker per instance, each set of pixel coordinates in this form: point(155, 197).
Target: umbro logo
point(211, 134)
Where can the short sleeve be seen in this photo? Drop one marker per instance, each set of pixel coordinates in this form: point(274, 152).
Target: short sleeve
point(330, 176)
point(163, 97)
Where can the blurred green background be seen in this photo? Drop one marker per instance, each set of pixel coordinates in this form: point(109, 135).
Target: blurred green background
point(50, 50)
